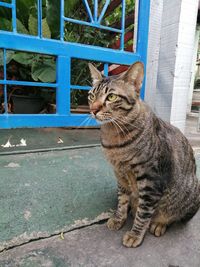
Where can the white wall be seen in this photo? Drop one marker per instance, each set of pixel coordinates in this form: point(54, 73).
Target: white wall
point(193, 70)
point(155, 25)
point(167, 88)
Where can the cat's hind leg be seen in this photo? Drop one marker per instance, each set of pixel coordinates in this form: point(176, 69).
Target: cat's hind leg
point(159, 223)
point(157, 228)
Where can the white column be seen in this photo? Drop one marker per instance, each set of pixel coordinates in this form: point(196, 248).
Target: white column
point(167, 93)
point(155, 24)
point(184, 57)
point(194, 68)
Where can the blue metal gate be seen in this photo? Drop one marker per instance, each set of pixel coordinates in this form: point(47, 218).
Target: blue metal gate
point(65, 52)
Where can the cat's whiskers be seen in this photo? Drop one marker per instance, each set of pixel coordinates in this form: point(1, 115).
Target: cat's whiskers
point(118, 125)
point(118, 135)
point(110, 119)
point(121, 123)
point(86, 121)
point(128, 123)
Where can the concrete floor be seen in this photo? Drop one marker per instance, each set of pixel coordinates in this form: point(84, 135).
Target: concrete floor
point(40, 199)
point(46, 193)
point(96, 246)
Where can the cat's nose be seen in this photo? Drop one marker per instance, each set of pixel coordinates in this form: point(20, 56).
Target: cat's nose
point(96, 107)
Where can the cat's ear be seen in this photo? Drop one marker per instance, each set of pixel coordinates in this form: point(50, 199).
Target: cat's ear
point(95, 74)
point(135, 75)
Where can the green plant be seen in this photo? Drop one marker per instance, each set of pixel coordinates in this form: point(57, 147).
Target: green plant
point(31, 66)
point(42, 67)
point(34, 67)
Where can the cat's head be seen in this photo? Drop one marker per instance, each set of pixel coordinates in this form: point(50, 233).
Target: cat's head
point(116, 96)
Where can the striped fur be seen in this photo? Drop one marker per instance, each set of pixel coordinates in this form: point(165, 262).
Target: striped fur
point(153, 161)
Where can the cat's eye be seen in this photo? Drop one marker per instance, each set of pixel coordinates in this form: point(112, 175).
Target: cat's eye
point(112, 97)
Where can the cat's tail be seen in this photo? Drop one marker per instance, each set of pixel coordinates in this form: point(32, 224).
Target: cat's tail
point(196, 205)
point(189, 215)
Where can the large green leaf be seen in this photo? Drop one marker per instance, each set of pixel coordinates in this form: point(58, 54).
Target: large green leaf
point(9, 56)
point(53, 17)
point(21, 28)
point(23, 10)
point(44, 72)
point(53, 14)
point(70, 6)
point(24, 58)
point(45, 29)
point(32, 25)
point(5, 25)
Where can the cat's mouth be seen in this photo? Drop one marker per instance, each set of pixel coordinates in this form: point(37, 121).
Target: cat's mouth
point(102, 118)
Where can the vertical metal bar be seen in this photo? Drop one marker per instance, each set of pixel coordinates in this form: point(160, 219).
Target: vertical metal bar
point(106, 69)
point(14, 19)
point(103, 11)
point(135, 25)
point(88, 10)
point(123, 24)
point(62, 6)
point(95, 10)
point(39, 8)
point(5, 85)
point(63, 89)
point(142, 34)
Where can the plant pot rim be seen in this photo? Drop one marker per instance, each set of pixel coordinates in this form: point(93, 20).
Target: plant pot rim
point(27, 96)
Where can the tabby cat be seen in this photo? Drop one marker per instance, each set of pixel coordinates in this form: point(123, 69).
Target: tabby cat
point(152, 160)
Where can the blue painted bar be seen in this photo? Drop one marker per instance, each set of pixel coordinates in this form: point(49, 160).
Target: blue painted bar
point(4, 65)
point(14, 18)
point(106, 69)
point(123, 24)
point(142, 35)
point(55, 47)
point(63, 88)
point(44, 120)
point(95, 10)
point(80, 87)
point(5, 86)
point(103, 11)
point(8, 5)
point(81, 22)
point(24, 83)
point(39, 13)
point(62, 24)
point(65, 51)
point(88, 10)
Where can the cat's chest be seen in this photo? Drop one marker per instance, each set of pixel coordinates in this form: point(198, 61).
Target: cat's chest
point(121, 163)
point(129, 182)
point(119, 158)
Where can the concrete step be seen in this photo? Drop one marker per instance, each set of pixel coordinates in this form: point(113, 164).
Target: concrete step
point(44, 194)
point(96, 246)
point(46, 139)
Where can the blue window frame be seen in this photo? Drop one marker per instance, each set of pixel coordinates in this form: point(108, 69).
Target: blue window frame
point(65, 52)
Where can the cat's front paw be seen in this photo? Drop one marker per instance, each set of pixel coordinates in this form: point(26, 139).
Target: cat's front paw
point(114, 223)
point(131, 240)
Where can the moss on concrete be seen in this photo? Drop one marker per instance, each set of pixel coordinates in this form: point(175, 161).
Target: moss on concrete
point(42, 193)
